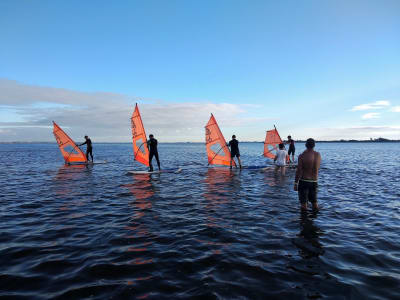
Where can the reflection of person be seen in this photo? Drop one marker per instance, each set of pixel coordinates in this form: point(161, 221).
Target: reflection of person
point(306, 179)
point(152, 145)
point(234, 145)
point(280, 159)
point(292, 148)
point(89, 148)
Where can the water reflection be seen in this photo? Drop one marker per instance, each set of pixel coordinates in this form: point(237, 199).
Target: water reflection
point(308, 238)
point(139, 234)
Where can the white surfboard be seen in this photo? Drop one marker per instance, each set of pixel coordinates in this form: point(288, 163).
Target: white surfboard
point(172, 170)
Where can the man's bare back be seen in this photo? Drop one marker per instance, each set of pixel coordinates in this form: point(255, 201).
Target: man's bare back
point(308, 165)
point(306, 178)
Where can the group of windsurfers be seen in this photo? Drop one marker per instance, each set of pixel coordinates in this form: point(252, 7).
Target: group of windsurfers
point(306, 178)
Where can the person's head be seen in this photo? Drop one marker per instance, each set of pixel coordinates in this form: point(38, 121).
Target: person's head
point(86, 137)
point(151, 136)
point(234, 136)
point(289, 137)
point(281, 146)
point(310, 143)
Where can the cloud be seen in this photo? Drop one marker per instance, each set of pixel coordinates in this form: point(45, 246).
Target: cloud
point(371, 116)
point(371, 106)
point(395, 109)
point(106, 116)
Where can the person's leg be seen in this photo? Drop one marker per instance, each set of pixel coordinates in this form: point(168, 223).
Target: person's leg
point(238, 158)
point(312, 196)
point(91, 153)
point(150, 158)
point(303, 195)
point(87, 154)
point(283, 170)
point(230, 163)
point(158, 161)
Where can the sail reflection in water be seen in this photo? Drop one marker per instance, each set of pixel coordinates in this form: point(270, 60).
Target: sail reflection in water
point(139, 235)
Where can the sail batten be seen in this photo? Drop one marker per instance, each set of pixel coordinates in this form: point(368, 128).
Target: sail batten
point(69, 150)
point(217, 151)
point(139, 138)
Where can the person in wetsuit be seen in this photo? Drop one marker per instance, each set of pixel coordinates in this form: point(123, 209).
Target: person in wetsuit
point(234, 145)
point(89, 147)
point(152, 145)
point(292, 148)
point(306, 179)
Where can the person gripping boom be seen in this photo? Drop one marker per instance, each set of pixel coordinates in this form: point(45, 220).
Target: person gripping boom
point(234, 145)
point(306, 179)
point(89, 147)
point(152, 145)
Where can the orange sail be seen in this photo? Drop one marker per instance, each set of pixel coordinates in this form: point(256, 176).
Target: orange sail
point(217, 151)
point(272, 141)
point(140, 150)
point(69, 150)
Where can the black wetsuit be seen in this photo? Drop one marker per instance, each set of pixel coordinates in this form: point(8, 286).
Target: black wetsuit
point(152, 144)
point(88, 148)
point(234, 145)
point(292, 148)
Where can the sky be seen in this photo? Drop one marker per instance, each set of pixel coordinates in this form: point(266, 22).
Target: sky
point(322, 69)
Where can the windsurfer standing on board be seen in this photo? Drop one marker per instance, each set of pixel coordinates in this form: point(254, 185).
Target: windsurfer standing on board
point(152, 145)
point(234, 145)
point(280, 159)
point(89, 147)
point(306, 179)
point(292, 148)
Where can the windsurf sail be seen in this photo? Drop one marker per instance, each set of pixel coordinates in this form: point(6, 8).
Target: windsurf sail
point(69, 150)
point(271, 144)
point(139, 139)
point(217, 151)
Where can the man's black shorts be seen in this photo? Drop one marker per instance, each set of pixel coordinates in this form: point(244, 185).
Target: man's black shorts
point(233, 154)
point(307, 191)
point(292, 150)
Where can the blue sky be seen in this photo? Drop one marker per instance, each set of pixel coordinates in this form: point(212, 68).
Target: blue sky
point(326, 69)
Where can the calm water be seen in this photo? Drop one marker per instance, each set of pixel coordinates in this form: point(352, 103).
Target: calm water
point(207, 233)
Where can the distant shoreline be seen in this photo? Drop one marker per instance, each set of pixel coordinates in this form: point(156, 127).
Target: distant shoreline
point(380, 140)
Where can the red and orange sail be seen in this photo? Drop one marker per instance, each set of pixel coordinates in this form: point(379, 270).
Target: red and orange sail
point(139, 139)
point(69, 150)
point(271, 144)
point(217, 151)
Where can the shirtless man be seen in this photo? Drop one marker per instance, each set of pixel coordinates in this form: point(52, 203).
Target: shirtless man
point(306, 179)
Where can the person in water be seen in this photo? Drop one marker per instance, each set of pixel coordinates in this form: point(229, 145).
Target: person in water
point(152, 145)
point(280, 159)
point(292, 148)
point(234, 145)
point(306, 179)
point(89, 148)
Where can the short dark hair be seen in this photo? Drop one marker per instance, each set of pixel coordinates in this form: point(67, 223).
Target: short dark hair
point(150, 135)
point(234, 136)
point(281, 146)
point(310, 143)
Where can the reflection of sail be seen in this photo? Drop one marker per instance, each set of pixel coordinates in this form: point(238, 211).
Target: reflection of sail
point(217, 151)
point(69, 150)
point(221, 185)
point(139, 234)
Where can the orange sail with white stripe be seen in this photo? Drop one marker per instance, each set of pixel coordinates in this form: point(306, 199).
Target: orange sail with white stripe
point(217, 151)
point(69, 150)
point(139, 139)
point(271, 144)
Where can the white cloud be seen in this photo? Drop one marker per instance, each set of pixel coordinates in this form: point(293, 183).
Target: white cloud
point(371, 106)
point(371, 116)
point(106, 116)
point(395, 109)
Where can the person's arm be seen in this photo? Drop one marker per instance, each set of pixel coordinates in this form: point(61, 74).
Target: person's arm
point(276, 157)
point(299, 172)
point(83, 143)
